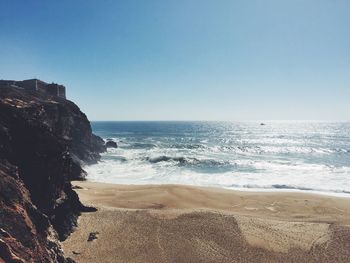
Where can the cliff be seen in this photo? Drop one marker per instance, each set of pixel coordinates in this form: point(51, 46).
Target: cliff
point(43, 142)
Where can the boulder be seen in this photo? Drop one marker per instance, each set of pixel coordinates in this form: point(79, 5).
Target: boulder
point(111, 144)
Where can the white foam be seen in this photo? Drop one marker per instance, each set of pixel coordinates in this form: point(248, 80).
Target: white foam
point(276, 157)
point(135, 170)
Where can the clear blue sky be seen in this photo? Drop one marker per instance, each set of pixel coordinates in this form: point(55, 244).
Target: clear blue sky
point(185, 59)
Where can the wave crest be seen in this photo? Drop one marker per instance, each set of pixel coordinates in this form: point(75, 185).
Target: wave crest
point(186, 160)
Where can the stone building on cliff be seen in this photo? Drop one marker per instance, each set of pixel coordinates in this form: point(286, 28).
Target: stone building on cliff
point(52, 89)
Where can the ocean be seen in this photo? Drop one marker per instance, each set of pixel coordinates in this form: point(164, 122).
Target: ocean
point(277, 156)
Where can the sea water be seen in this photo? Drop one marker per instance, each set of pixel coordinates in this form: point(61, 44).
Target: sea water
point(288, 156)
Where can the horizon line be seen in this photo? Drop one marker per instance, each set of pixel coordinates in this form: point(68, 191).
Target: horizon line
point(176, 120)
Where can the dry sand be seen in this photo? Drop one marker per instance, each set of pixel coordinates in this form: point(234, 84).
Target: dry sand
point(172, 223)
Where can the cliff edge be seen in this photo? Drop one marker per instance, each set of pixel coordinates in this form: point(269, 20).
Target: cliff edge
point(44, 140)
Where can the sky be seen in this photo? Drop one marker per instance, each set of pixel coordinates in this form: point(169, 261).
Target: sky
point(185, 59)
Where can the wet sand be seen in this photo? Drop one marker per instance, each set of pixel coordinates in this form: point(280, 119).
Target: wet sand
point(175, 223)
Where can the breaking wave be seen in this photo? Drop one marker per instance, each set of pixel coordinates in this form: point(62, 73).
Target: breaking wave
point(275, 157)
point(186, 160)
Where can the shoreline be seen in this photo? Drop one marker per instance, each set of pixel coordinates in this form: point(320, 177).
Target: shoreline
point(109, 197)
point(242, 189)
point(291, 191)
point(166, 223)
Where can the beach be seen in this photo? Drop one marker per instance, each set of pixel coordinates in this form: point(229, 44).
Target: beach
point(178, 223)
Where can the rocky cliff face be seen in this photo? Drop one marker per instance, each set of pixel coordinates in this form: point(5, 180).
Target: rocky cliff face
point(43, 142)
point(25, 234)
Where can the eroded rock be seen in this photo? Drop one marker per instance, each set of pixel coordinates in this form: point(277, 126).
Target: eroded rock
point(43, 142)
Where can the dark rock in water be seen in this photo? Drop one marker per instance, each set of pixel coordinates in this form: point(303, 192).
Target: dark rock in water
point(43, 142)
point(111, 144)
point(92, 236)
point(262, 124)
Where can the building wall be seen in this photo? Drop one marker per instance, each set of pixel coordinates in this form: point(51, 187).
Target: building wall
point(37, 85)
point(62, 91)
point(56, 90)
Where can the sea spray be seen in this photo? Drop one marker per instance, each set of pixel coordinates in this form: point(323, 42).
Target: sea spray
point(305, 156)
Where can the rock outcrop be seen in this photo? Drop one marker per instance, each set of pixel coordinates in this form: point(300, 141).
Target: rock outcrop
point(111, 144)
point(25, 233)
point(43, 142)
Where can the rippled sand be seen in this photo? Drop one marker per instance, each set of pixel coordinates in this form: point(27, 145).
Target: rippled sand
point(172, 223)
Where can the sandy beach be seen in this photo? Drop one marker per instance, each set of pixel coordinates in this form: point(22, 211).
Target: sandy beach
point(175, 223)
